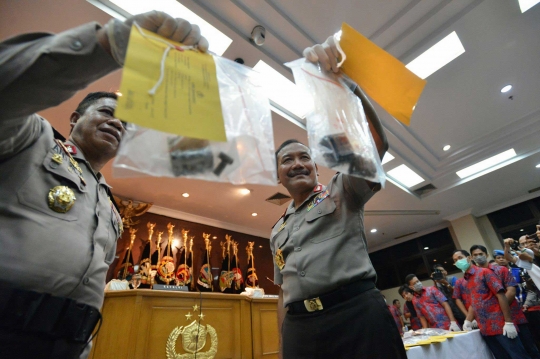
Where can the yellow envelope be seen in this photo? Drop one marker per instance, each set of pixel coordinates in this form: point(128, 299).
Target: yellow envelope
point(383, 77)
point(187, 101)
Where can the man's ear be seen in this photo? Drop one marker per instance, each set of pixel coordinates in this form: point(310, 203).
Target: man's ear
point(75, 116)
point(317, 169)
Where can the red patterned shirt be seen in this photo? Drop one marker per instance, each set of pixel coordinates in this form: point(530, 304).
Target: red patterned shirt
point(483, 286)
point(429, 304)
point(508, 280)
point(415, 321)
point(461, 291)
point(395, 314)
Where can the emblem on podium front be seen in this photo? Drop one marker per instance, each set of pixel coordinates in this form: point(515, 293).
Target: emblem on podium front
point(194, 337)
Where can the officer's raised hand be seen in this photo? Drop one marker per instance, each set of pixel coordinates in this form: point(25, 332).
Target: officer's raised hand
point(326, 54)
point(114, 37)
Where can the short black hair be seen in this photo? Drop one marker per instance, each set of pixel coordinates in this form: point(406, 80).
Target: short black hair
point(437, 265)
point(286, 143)
point(93, 97)
point(408, 278)
point(404, 288)
point(479, 246)
point(462, 251)
point(395, 300)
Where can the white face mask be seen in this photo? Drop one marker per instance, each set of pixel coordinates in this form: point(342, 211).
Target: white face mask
point(418, 286)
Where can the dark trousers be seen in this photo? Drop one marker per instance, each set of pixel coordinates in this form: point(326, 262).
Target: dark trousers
point(361, 327)
point(503, 347)
point(534, 325)
point(527, 340)
point(17, 345)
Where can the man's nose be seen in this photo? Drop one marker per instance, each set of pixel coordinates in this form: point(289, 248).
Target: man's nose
point(116, 123)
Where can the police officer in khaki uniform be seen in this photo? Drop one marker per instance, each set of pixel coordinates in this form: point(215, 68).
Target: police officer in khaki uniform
point(58, 225)
point(328, 305)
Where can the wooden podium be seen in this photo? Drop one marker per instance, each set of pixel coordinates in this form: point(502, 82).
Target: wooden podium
point(144, 324)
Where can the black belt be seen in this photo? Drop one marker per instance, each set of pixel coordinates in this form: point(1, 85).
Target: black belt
point(41, 313)
point(328, 300)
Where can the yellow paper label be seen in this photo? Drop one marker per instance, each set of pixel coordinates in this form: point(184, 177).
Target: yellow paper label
point(383, 77)
point(187, 101)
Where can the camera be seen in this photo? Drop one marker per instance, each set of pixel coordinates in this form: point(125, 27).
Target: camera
point(437, 275)
point(258, 35)
point(514, 245)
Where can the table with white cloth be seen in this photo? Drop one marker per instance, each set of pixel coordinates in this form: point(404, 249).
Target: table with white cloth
point(463, 346)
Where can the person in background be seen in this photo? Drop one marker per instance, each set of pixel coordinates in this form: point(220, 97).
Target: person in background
point(397, 304)
point(397, 317)
point(445, 284)
point(408, 308)
point(479, 254)
point(432, 305)
point(58, 221)
point(488, 303)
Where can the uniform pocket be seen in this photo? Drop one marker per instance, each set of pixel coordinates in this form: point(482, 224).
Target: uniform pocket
point(34, 193)
point(323, 222)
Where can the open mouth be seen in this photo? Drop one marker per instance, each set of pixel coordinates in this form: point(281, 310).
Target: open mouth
point(112, 132)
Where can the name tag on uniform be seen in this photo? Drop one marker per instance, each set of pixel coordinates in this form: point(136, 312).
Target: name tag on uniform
point(318, 199)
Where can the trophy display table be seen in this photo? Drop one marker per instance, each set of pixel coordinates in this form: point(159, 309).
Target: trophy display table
point(165, 324)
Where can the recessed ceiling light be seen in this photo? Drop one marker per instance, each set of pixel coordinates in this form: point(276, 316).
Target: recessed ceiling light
point(446, 148)
point(254, 214)
point(244, 191)
point(521, 230)
point(506, 88)
point(281, 90)
point(387, 158)
point(487, 163)
point(260, 246)
point(525, 5)
point(185, 195)
point(437, 56)
point(434, 260)
point(405, 176)
point(219, 42)
point(374, 230)
point(426, 248)
point(214, 237)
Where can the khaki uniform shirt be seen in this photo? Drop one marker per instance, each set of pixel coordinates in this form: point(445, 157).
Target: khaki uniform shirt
point(323, 242)
point(65, 254)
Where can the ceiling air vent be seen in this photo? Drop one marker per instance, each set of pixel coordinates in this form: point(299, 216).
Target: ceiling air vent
point(405, 235)
point(425, 189)
point(278, 198)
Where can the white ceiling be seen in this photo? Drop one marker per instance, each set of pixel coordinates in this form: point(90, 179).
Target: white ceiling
point(460, 106)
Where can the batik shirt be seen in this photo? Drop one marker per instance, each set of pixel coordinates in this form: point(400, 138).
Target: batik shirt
point(483, 286)
point(415, 320)
point(508, 280)
point(395, 315)
point(429, 303)
point(461, 291)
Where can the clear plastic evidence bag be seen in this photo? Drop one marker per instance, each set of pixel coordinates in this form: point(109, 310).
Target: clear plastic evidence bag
point(246, 157)
point(338, 131)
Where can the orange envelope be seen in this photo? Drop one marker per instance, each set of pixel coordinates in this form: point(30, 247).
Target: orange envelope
point(383, 77)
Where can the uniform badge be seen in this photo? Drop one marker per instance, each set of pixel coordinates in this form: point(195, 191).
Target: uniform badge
point(318, 199)
point(280, 261)
point(61, 199)
point(282, 226)
point(57, 158)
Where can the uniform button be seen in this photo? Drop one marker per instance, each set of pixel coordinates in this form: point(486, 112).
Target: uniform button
point(303, 274)
point(53, 164)
point(298, 249)
point(86, 280)
point(76, 45)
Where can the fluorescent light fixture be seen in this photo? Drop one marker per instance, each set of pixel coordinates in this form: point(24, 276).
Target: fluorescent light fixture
point(387, 158)
point(487, 163)
point(281, 90)
point(446, 148)
point(506, 88)
point(374, 230)
point(525, 5)
point(219, 42)
point(405, 176)
point(437, 56)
